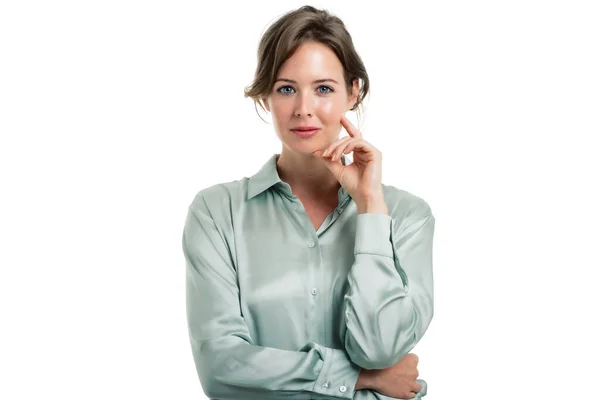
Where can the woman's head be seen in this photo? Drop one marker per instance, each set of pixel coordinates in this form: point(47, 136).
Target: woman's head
point(301, 47)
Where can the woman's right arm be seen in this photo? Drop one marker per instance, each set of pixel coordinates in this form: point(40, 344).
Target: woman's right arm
point(229, 364)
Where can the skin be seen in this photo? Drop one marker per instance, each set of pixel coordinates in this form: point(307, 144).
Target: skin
point(308, 103)
point(398, 381)
point(313, 169)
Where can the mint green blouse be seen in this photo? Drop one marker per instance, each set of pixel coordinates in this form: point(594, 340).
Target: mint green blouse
point(277, 310)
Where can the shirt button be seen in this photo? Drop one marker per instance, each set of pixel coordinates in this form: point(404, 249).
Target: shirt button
point(325, 385)
point(311, 244)
point(314, 291)
point(343, 389)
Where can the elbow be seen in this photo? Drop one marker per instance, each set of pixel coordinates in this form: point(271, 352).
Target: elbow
point(381, 345)
point(214, 390)
point(370, 361)
point(209, 366)
point(209, 388)
point(375, 355)
point(206, 374)
point(216, 385)
point(384, 340)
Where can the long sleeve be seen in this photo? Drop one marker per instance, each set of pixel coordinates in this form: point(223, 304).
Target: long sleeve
point(229, 364)
point(389, 303)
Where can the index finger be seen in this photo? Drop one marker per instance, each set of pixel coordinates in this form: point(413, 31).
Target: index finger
point(350, 128)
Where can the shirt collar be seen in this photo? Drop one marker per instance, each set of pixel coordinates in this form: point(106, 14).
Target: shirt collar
point(267, 177)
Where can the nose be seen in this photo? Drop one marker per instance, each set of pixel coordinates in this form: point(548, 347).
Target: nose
point(304, 105)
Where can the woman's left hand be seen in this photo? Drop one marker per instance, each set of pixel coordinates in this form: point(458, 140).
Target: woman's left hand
point(362, 178)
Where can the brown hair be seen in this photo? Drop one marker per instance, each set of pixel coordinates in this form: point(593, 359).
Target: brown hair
point(284, 36)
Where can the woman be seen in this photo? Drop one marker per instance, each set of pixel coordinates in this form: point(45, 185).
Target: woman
point(310, 279)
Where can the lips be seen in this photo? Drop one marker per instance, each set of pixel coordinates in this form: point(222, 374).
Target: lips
point(305, 133)
point(304, 128)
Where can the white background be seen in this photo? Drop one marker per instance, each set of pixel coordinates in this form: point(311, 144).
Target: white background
point(114, 114)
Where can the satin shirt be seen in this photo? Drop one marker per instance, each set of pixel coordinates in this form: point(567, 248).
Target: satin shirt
point(279, 310)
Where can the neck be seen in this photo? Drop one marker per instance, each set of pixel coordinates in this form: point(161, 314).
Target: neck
point(306, 174)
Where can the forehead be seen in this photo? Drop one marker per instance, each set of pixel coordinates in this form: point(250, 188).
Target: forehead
point(312, 61)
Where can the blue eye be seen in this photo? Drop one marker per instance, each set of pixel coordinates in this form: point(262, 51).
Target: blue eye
point(284, 87)
point(286, 93)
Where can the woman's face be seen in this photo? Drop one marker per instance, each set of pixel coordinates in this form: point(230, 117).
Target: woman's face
point(297, 99)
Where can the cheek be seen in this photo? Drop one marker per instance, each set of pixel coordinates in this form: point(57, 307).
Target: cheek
point(331, 111)
point(277, 107)
point(328, 108)
point(280, 112)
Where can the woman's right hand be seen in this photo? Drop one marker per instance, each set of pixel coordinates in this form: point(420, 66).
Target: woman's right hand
point(399, 380)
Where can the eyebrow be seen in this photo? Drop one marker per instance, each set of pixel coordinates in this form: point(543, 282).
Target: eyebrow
point(317, 81)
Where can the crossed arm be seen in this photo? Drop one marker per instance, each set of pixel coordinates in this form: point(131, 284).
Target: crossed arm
point(386, 311)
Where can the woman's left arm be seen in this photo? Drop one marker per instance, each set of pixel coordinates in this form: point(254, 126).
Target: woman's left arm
point(389, 303)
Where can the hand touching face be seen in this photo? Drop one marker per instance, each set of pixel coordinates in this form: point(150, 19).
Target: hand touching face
point(361, 178)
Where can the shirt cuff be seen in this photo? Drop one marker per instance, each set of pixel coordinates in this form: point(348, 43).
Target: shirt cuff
point(338, 376)
point(374, 234)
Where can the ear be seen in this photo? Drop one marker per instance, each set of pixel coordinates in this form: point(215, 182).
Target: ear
point(266, 103)
point(354, 95)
